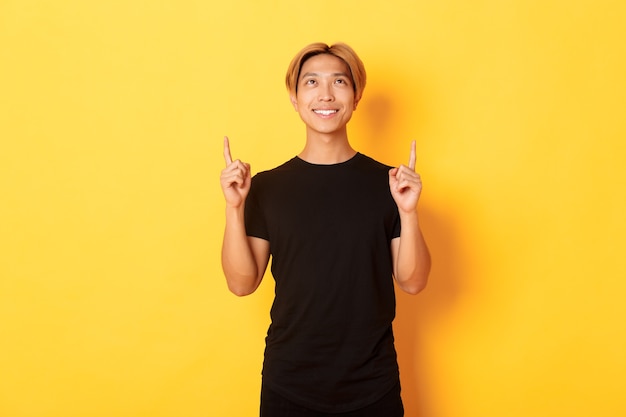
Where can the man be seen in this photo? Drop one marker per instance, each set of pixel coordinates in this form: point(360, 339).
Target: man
point(340, 227)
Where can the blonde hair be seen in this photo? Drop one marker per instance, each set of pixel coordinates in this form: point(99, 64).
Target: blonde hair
point(341, 51)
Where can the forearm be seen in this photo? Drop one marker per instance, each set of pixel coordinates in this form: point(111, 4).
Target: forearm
point(238, 261)
point(412, 263)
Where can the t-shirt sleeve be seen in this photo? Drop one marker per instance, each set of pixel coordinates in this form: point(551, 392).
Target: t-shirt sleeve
point(397, 227)
point(256, 225)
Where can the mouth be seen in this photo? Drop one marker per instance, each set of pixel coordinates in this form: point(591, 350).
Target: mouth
point(325, 112)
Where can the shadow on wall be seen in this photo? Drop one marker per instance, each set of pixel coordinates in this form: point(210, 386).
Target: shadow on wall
point(381, 114)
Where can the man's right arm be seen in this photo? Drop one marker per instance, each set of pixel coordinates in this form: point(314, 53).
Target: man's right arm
point(244, 259)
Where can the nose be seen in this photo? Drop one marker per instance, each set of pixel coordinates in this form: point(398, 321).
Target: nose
point(326, 92)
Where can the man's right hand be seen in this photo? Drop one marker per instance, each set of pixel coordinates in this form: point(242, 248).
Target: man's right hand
point(235, 179)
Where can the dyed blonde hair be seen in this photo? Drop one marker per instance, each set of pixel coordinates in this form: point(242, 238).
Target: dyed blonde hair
point(341, 51)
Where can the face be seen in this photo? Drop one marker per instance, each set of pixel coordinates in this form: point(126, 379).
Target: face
point(325, 98)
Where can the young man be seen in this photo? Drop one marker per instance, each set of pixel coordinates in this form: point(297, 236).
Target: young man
point(339, 227)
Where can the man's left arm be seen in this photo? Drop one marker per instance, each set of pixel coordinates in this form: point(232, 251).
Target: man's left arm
point(410, 255)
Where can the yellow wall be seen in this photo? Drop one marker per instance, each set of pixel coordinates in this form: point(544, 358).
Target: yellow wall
point(112, 301)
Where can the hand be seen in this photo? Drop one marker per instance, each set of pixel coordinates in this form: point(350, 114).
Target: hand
point(235, 179)
point(405, 184)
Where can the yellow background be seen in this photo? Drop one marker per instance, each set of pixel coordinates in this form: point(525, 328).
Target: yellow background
point(112, 301)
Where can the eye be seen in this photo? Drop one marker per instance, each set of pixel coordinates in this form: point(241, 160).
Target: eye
point(341, 81)
point(310, 81)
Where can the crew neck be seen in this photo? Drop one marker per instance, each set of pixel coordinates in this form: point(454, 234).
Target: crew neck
point(347, 161)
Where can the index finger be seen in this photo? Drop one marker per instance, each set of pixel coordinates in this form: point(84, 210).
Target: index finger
point(412, 156)
point(227, 156)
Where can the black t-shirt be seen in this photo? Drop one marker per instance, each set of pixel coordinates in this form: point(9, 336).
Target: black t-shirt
point(330, 343)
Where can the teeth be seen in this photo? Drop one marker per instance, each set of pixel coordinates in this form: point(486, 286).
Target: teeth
point(325, 112)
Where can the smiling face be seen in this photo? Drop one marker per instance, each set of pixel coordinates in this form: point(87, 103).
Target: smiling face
point(325, 96)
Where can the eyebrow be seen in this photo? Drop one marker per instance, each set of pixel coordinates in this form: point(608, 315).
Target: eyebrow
point(317, 74)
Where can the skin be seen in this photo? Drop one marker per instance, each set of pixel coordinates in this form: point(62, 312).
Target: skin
point(325, 101)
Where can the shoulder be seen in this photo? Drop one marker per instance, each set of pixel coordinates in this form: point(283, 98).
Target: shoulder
point(370, 162)
point(367, 163)
point(273, 180)
point(278, 171)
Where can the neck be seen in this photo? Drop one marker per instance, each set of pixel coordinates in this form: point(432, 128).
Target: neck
point(327, 149)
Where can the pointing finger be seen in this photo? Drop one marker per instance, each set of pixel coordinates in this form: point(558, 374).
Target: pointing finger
point(227, 156)
point(412, 156)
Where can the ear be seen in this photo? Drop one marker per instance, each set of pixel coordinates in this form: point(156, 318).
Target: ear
point(356, 102)
point(294, 101)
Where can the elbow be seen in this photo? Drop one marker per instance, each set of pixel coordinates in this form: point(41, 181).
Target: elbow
point(240, 290)
point(416, 283)
point(240, 293)
point(413, 288)
point(240, 283)
point(412, 273)
point(242, 287)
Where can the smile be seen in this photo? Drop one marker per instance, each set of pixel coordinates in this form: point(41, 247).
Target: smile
point(325, 112)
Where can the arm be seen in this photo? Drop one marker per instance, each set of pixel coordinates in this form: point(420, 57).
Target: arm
point(411, 258)
point(410, 255)
point(244, 259)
